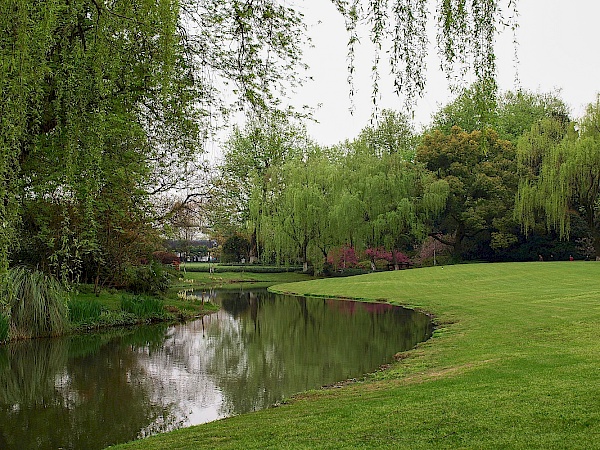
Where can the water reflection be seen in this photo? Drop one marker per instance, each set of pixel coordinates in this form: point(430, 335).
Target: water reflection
point(88, 392)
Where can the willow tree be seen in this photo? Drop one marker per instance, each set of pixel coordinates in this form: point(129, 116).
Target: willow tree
point(466, 32)
point(106, 105)
point(252, 157)
point(87, 92)
point(396, 200)
point(296, 220)
point(563, 177)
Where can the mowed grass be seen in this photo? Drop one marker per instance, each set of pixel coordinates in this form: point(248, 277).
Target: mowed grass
point(514, 363)
point(235, 280)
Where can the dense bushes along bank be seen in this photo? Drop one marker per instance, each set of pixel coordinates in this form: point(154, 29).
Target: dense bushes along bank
point(34, 305)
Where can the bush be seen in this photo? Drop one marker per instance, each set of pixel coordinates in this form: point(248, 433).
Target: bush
point(153, 279)
point(142, 306)
point(37, 303)
point(364, 265)
point(84, 311)
point(342, 257)
point(167, 258)
point(381, 264)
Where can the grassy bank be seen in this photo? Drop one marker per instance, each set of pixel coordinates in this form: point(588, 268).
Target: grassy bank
point(88, 311)
point(196, 275)
point(117, 308)
point(513, 363)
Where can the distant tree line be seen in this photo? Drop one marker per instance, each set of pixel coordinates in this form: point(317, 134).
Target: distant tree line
point(522, 184)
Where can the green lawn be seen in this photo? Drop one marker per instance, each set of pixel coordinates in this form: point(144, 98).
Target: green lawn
point(233, 280)
point(514, 363)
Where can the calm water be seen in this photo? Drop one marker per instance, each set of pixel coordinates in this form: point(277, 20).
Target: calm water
point(88, 392)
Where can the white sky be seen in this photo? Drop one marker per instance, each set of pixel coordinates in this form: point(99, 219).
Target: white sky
point(557, 50)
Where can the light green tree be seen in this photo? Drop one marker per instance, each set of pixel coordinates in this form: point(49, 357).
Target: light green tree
point(514, 113)
point(296, 220)
point(105, 107)
point(562, 174)
point(252, 157)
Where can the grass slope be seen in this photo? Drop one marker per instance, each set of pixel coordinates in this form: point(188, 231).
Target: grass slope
point(514, 363)
point(235, 280)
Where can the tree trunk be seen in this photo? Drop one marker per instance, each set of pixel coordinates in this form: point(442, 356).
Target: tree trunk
point(305, 257)
point(596, 237)
point(253, 253)
point(458, 241)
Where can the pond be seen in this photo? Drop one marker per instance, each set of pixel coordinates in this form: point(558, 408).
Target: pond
point(91, 391)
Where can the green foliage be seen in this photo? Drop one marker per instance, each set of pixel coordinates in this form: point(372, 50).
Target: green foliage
point(519, 111)
point(4, 327)
point(84, 310)
point(560, 163)
point(153, 279)
point(104, 109)
point(253, 156)
point(37, 303)
point(482, 180)
point(143, 306)
point(514, 113)
point(234, 249)
point(393, 133)
point(466, 32)
point(367, 193)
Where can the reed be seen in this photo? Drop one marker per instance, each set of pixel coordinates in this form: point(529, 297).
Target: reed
point(4, 327)
point(37, 304)
point(84, 311)
point(142, 306)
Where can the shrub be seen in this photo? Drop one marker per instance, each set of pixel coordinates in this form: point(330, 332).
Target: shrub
point(142, 306)
point(37, 303)
point(342, 257)
point(84, 311)
point(381, 264)
point(153, 279)
point(364, 265)
point(168, 259)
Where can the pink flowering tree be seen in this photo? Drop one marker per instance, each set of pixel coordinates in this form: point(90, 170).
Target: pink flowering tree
point(342, 257)
point(380, 254)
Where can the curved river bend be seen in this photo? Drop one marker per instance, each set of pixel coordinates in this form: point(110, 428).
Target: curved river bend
point(88, 392)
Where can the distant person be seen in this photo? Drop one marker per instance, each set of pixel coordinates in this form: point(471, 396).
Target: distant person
point(540, 258)
point(571, 258)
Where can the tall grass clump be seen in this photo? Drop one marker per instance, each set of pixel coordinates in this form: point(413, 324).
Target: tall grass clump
point(84, 311)
point(37, 304)
point(142, 306)
point(4, 327)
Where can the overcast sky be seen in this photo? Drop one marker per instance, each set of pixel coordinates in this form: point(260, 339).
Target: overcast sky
point(557, 49)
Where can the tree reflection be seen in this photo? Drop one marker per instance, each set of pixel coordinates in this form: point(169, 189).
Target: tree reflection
point(281, 345)
point(56, 393)
point(96, 390)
